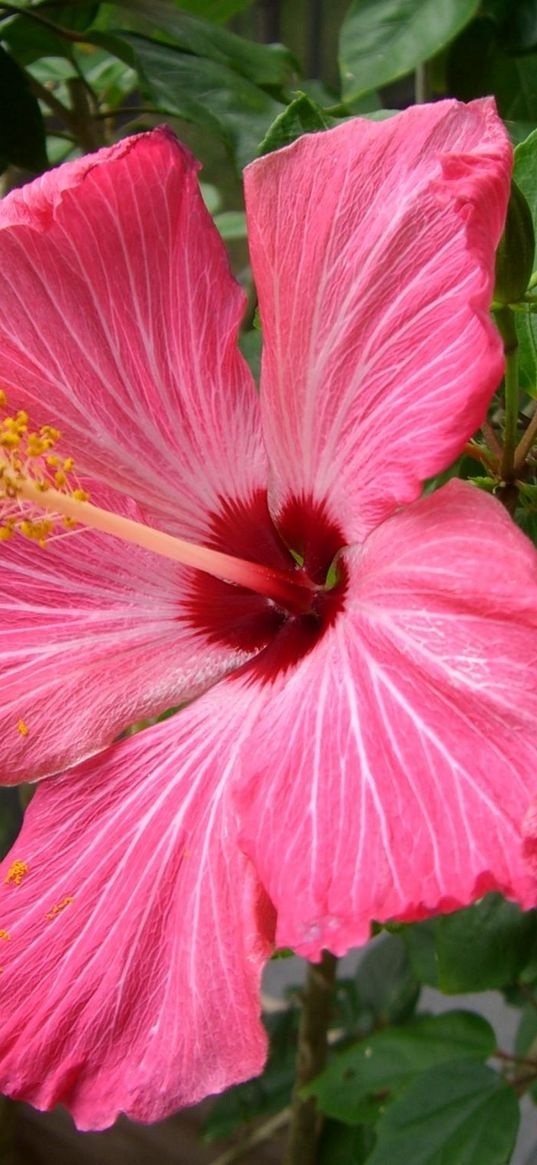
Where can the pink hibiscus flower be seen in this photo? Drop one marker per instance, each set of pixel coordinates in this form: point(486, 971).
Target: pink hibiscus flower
point(362, 749)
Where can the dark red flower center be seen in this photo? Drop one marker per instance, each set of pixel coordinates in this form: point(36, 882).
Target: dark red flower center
point(303, 547)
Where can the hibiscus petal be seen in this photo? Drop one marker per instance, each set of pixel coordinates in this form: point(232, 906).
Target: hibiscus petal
point(373, 253)
point(94, 635)
point(118, 325)
point(133, 931)
point(393, 770)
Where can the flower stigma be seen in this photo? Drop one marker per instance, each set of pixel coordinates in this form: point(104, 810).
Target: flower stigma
point(41, 499)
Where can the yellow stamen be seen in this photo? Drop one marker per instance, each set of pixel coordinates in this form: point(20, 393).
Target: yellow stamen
point(17, 871)
point(4, 934)
point(25, 457)
point(58, 909)
point(22, 727)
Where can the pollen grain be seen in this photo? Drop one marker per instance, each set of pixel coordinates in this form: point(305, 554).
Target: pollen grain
point(17, 871)
point(58, 908)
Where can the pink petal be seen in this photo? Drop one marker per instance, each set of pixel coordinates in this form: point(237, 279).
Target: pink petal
point(373, 252)
point(392, 771)
point(133, 931)
point(95, 635)
point(118, 325)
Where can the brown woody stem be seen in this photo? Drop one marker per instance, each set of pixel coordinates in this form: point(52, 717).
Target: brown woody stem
point(306, 1122)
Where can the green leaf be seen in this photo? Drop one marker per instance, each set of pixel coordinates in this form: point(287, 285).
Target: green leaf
point(217, 10)
point(28, 40)
point(302, 116)
point(198, 90)
point(456, 1114)
point(265, 65)
point(525, 172)
point(484, 946)
point(386, 982)
point(526, 329)
point(488, 484)
point(478, 65)
point(420, 941)
point(384, 39)
point(515, 254)
point(365, 1077)
point(342, 1145)
point(22, 131)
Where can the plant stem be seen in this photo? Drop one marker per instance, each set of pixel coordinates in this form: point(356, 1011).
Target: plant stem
point(306, 1122)
point(525, 444)
point(8, 1116)
point(257, 1136)
point(421, 84)
point(88, 133)
point(506, 324)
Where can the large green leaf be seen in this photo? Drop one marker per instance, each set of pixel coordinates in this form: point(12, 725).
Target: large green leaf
point(479, 948)
point(343, 1145)
point(263, 64)
point(28, 40)
point(362, 1079)
point(386, 983)
point(216, 10)
point(384, 39)
point(485, 946)
point(420, 937)
point(456, 1114)
point(22, 132)
point(199, 90)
